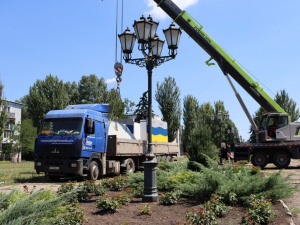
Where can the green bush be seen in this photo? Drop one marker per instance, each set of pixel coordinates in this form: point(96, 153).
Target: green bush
point(201, 216)
point(122, 198)
point(66, 187)
point(146, 210)
point(216, 206)
point(99, 190)
point(107, 204)
point(170, 198)
point(258, 210)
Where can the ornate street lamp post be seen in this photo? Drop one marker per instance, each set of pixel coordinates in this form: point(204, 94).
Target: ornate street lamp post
point(220, 118)
point(151, 47)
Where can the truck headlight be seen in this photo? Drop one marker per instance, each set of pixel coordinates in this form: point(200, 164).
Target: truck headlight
point(38, 163)
point(74, 164)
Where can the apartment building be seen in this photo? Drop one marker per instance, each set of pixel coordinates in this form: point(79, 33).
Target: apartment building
point(13, 111)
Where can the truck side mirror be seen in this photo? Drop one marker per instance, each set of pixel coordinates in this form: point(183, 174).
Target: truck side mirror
point(89, 126)
point(39, 127)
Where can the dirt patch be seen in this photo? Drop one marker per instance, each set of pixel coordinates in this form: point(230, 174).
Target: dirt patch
point(174, 214)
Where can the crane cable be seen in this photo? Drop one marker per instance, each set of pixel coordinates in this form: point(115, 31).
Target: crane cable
point(118, 65)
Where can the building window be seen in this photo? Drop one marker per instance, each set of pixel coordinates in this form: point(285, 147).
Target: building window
point(7, 134)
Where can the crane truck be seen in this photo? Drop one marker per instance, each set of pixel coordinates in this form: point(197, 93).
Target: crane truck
point(278, 139)
point(76, 142)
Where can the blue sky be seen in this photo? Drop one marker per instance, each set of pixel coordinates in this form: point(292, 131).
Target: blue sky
point(73, 38)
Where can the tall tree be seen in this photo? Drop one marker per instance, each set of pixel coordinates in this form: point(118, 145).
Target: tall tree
point(142, 107)
point(168, 97)
point(92, 90)
point(45, 95)
point(3, 115)
point(116, 105)
point(72, 92)
point(197, 134)
point(28, 134)
point(288, 104)
point(190, 116)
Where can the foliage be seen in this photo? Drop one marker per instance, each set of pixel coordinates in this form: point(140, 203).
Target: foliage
point(117, 106)
point(107, 204)
point(122, 198)
point(146, 210)
point(91, 89)
point(3, 114)
point(72, 92)
point(170, 198)
point(29, 208)
point(168, 97)
point(224, 182)
point(99, 190)
point(215, 205)
point(27, 136)
point(45, 95)
point(142, 108)
point(201, 216)
point(258, 210)
point(117, 183)
point(66, 187)
point(137, 192)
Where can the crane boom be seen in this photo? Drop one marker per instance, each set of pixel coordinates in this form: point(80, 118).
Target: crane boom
point(227, 64)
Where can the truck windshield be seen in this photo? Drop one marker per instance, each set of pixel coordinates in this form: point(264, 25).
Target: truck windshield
point(61, 126)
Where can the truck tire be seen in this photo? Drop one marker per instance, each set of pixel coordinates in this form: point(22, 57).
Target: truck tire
point(260, 159)
point(130, 166)
point(94, 171)
point(281, 159)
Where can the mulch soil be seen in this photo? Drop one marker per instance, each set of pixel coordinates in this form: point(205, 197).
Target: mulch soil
point(173, 214)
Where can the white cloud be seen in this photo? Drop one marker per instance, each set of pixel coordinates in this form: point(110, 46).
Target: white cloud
point(158, 13)
point(111, 80)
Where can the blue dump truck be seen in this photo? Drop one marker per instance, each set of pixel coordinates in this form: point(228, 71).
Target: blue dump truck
point(76, 142)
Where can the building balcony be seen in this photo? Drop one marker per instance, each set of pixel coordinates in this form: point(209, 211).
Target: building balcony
point(11, 115)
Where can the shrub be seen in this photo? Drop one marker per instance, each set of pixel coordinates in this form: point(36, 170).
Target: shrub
point(118, 183)
point(170, 198)
point(99, 190)
point(89, 185)
point(215, 205)
point(137, 192)
point(122, 198)
point(258, 212)
point(82, 193)
point(146, 210)
point(66, 187)
point(107, 204)
point(201, 216)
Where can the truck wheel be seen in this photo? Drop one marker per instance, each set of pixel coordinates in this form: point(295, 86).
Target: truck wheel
point(260, 159)
point(93, 172)
point(130, 166)
point(281, 159)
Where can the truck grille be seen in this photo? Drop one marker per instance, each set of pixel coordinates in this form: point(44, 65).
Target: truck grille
point(56, 150)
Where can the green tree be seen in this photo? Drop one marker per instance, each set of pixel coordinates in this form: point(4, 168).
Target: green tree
point(72, 92)
point(116, 105)
point(45, 95)
point(197, 134)
point(190, 116)
point(168, 97)
point(28, 134)
point(92, 90)
point(129, 106)
point(287, 104)
point(142, 107)
point(3, 115)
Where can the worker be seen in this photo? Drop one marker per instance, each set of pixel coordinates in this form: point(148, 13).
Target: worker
point(272, 129)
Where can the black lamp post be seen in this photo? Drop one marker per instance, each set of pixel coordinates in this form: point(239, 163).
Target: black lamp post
point(151, 47)
point(220, 118)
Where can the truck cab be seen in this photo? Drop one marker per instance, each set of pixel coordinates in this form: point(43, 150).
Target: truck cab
point(73, 141)
point(277, 127)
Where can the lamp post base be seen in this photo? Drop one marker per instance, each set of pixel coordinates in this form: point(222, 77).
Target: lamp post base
point(150, 182)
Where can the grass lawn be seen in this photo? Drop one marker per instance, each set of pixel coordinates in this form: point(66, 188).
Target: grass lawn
point(13, 173)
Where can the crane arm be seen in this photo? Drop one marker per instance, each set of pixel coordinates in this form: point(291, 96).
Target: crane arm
point(227, 64)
